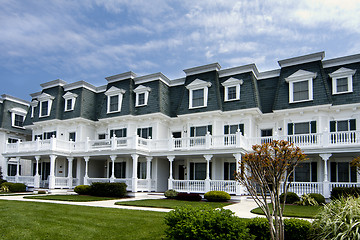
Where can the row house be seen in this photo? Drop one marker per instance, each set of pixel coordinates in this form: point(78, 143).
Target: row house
point(189, 134)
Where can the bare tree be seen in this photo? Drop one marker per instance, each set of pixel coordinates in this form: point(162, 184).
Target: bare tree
point(266, 174)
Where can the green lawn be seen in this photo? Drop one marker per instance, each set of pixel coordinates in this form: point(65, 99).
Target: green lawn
point(295, 211)
point(33, 220)
point(72, 198)
point(171, 203)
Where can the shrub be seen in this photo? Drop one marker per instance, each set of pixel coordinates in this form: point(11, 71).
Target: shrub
point(318, 198)
point(171, 193)
point(294, 229)
point(217, 196)
point(339, 192)
point(204, 223)
point(82, 189)
point(41, 192)
point(14, 187)
point(291, 198)
point(108, 189)
point(306, 200)
point(189, 196)
point(338, 220)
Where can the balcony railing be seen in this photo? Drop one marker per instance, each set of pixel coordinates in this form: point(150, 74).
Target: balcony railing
point(313, 140)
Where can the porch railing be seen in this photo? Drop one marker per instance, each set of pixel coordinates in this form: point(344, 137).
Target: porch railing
point(189, 185)
point(343, 184)
point(92, 180)
point(301, 188)
point(27, 180)
point(61, 182)
point(221, 185)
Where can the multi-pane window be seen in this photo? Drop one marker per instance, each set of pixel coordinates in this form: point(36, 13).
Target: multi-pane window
point(301, 90)
point(19, 120)
point(229, 170)
point(44, 108)
point(306, 172)
point(119, 169)
point(144, 132)
point(198, 171)
point(12, 169)
point(198, 98)
point(232, 129)
point(200, 131)
point(114, 103)
point(141, 99)
point(13, 140)
point(69, 104)
point(231, 93)
point(38, 136)
point(343, 125)
point(118, 132)
point(141, 170)
point(301, 128)
point(342, 172)
point(342, 85)
point(49, 135)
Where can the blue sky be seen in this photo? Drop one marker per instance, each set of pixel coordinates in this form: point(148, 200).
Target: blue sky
point(42, 40)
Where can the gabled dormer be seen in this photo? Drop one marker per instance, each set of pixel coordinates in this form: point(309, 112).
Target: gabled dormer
point(142, 95)
point(114, 99)
point(70, 99)
point(198, 93)
point(342, 80)
point(232, 89)
point(300, 86)
point(17, 117)
point(45, 101)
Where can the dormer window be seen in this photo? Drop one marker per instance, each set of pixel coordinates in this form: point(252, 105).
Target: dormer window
point(45, 104)
point(33, 104)
point(342, 80)
point(198, 93)
point(300, 86)
point(142, 95)
point(114, 99)
point(232, 89)
point(70, 99)
point(18, 117)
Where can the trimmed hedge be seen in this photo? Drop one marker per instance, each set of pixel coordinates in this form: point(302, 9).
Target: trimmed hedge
point(291, 198)
point(189, 196)
point(205, 223)
point(83, 189)
point(15, 187)
point(171, 193)
point(217, 196)
point(339, 192)
point(108, 189)
point(320, 199)
point(294, 229)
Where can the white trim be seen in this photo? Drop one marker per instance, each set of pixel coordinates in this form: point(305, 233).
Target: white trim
point(302, 59)
point(114, 91)
point(69, 96)
point(152, 77)
point(44, 97)
point(20, 112)
point(202, 69)
point(342, 73)
point(239, 70)
point(15, 99)
point(301, 76)
point(232, 82)
point(341, 61)
point(80, 84)
point(120, 77)
point(54, 83)
point(198, 84)
point(33, 104)
point(141, 90)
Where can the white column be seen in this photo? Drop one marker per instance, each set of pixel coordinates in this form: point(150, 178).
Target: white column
point(86, 177)
point(17, 169)
point(239, 188)
point(70, 176)
point(170, 181)
point(148, 173)
point(207, 179)
point(134, 174)
point(52, 172)
point(112, 177)
point(326, 184)
point(37, 176)
point(5, 170)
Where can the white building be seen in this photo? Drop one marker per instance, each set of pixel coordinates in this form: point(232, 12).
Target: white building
point(188, 134)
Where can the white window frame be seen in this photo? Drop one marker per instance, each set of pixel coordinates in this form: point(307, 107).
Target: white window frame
point(342, 73)
point(20, 112)
point(198, 84)
point(114, 91)
point(142, 90)
point(69, 96)
point(33, 104)
point(301, 76)
point(45, 98)
point(232, 82)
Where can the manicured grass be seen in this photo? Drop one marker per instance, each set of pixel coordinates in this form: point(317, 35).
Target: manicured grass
point(71, 198)
point(295, 211)
point(33, 220)
point(171, 203)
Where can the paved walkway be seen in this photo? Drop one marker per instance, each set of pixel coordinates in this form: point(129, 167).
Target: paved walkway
point(241, 209)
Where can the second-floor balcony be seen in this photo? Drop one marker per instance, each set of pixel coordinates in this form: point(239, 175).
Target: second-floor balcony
point(207, 142)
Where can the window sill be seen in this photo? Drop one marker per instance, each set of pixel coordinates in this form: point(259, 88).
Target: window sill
point(231, 100)
point(300, 101)
point(44, 116)
point(114, 112)
point(197, 107)
point(337, 93)
point(142, 105)
point(18, 127)
point(69, 110)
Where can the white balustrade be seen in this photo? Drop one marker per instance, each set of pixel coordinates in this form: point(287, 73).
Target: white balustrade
point(343, 184)
point(10, 179)
point(303, 140)
point(189, 185)
point(27, 180)
point(61, 181)
point(344, 138)
point(301, 188)
point(103, 180)
point(222, 185)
